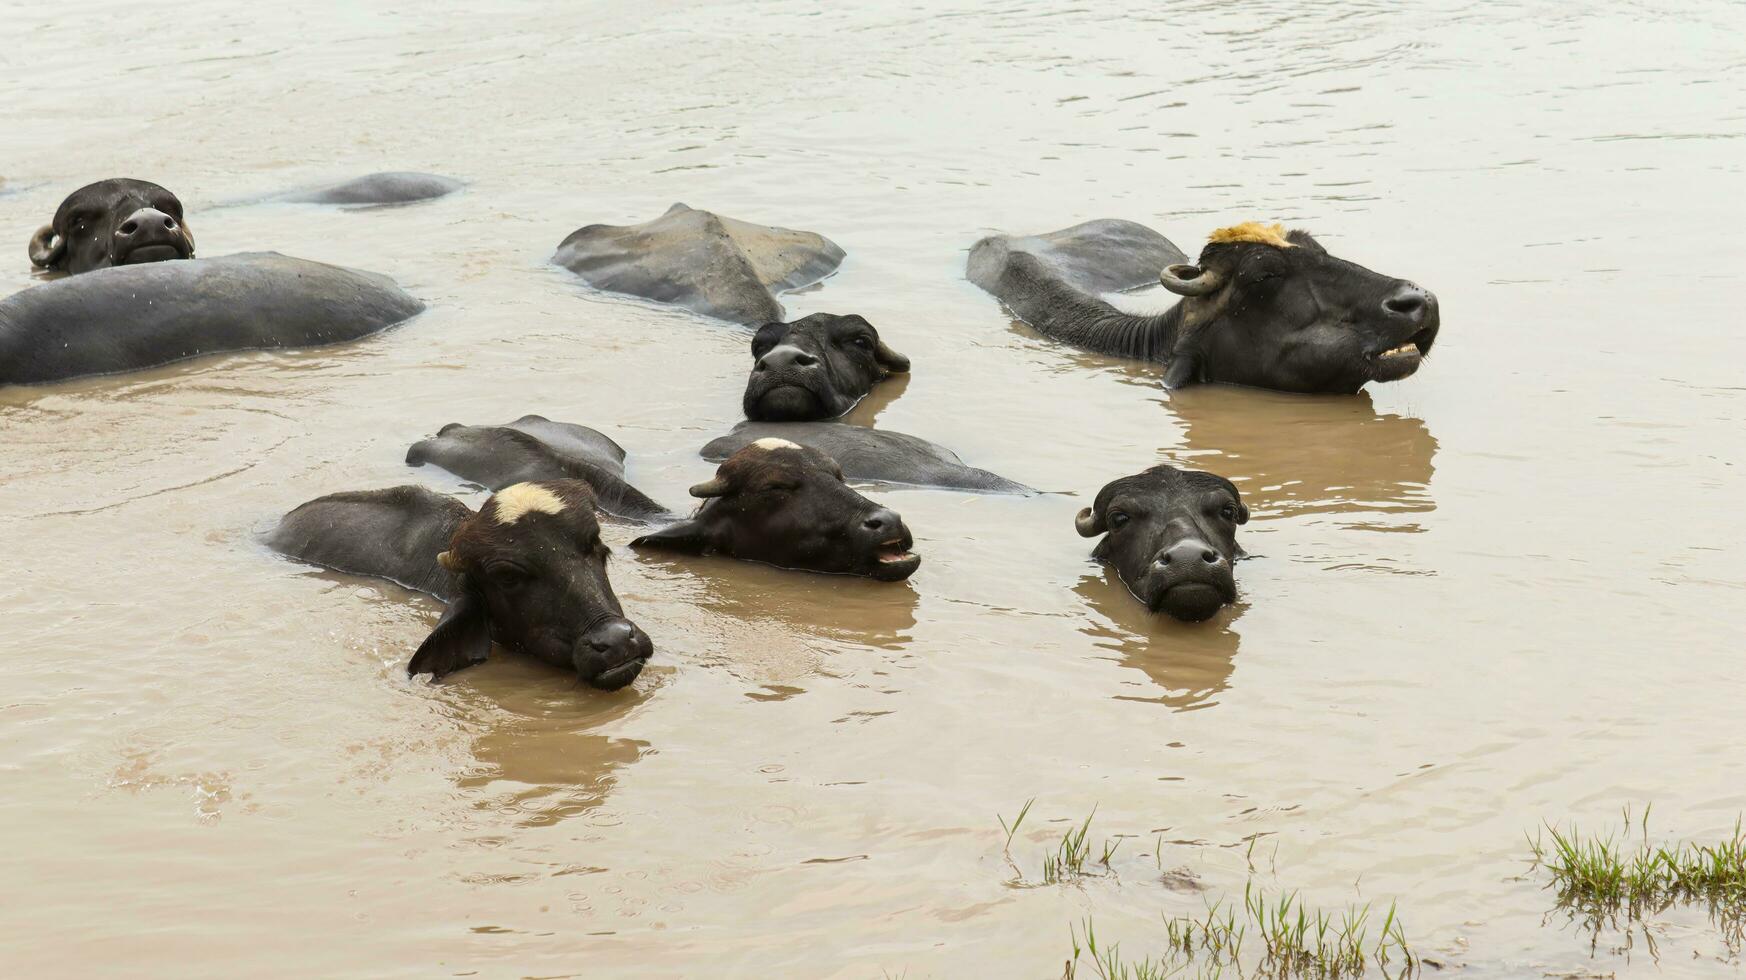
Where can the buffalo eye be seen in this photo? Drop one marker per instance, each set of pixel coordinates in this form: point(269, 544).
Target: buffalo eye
point(506, 576)
point(1264, 270)
point(864, 342)
point(1228, 512)
point(1117, 519)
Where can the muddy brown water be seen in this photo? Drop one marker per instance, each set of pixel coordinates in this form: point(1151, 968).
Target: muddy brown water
point(1508, 590)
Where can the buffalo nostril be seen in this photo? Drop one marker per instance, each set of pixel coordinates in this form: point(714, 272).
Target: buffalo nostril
point(761, 365)
point(600, 646)
point(1408, 301)
point(805, 360)
point(129, 227)
point(169, 224)
point(875, 524)
point(1185, 553)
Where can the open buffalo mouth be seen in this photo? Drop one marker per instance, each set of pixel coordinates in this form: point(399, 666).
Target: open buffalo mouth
point(893, 561)
point(1401, 360)
point(153, 253)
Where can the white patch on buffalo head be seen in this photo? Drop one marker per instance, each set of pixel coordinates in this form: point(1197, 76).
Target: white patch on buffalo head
point(771, 444)
point(513, 503)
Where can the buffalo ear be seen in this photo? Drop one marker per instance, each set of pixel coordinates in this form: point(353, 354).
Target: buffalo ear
point(767, 337)
point(715, 486)
point(47, 249)
point(1090, 523)
point(462, 638)
point(1242, 512)
point(889, 359)
point(687, 536)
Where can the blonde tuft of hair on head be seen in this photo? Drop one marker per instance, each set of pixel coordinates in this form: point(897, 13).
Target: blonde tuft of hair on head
point(1252, 231)
point(511, 504)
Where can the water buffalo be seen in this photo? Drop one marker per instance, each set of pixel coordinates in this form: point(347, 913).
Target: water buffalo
point(1171, 535)
point(120, 221)
point(392, 187)
point(704, 262)
point(527, 570)
point(140, 316)
point(817, 367)
point(535, 448)
point(875, 455)
point(1263, 307)
point(787, 505)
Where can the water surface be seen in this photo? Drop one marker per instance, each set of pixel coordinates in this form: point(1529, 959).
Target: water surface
point(1505, 591)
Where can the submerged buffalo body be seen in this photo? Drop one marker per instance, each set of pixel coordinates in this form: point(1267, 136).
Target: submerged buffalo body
point(527, 570)
point(787, 505)
point(704, 262)
point(392, 187)
point(817, 367)
point(120, 221)
point(534, 448)
point(874, 455)
point(1171, 535)
point(125, 319)
point(1262, 307)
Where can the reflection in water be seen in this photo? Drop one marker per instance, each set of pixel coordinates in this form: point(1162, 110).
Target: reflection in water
point(1192, 662)
point(866, 411)
point(538, 757)
point(845, 608)
point(1308, 454)
point(1289, 453)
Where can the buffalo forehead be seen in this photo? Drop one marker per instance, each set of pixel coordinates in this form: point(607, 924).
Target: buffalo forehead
point(1166, 480)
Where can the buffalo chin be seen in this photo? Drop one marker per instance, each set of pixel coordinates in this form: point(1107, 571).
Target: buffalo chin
point(1190, 602)
point(787, 403)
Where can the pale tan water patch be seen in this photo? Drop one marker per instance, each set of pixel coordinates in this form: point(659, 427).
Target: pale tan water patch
point(1506, 590)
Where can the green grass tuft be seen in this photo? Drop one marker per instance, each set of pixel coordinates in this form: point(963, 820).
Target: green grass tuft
point(1612, 882)
point(1070, 861)
point(1291, 941)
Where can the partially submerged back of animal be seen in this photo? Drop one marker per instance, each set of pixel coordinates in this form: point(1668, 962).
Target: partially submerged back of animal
point(120, 221)
point(784, 504)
